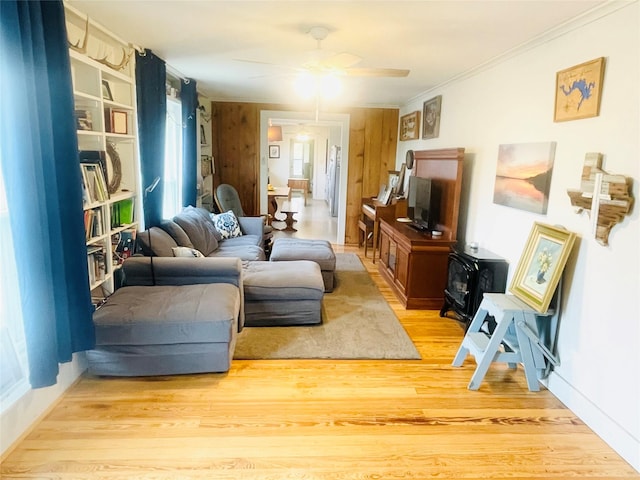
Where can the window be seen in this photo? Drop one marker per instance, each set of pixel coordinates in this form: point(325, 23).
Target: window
point(13, 348)
point(172, 195)
point(301, 159)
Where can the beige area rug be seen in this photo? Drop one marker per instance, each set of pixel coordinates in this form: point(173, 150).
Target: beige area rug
point(357, 324)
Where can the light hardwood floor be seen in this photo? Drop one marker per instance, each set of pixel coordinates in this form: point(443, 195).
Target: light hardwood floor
point(319, 419)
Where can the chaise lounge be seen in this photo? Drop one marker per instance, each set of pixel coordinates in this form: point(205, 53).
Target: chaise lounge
point(172, 316)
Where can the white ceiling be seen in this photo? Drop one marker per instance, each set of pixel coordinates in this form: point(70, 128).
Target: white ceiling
point(436, 40)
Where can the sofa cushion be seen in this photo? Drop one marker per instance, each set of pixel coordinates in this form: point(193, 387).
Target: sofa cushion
point(227, 224)
point(178, 234)
point(186, 252)
point(200, 231)
point(243, 252)
point(169, 314)
point(156, 242)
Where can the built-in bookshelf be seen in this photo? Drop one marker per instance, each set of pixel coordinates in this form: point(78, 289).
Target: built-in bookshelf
point(103, 74)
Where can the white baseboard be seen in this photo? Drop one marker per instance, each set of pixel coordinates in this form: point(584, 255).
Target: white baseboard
point(625, 444)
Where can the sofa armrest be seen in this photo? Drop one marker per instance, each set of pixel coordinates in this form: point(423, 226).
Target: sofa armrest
point(252, 225)
point(148, 271)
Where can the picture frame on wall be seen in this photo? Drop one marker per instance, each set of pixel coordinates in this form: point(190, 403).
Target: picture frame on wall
point(579, 90)
point(523, 176)
point(431, 117)
point(541, 265)
point(410, 126)
point(274, 151)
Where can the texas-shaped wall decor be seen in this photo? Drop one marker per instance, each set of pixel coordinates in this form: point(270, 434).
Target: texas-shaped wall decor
point(605, 196)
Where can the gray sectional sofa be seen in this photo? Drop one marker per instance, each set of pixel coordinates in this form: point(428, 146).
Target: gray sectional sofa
point(194, 228)
point(175, 313)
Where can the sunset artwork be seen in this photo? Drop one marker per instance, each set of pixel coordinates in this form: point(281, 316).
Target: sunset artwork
point(523, 176)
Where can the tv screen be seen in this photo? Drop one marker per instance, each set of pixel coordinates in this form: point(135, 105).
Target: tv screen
point(421, 203)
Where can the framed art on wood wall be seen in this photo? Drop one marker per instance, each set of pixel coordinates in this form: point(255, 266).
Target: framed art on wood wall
point(431, 117)
point(410, 126)
point(578, 91)
point(541, 265)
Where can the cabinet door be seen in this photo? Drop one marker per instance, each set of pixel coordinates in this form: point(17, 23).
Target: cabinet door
point(384, 248)
point(402, 269)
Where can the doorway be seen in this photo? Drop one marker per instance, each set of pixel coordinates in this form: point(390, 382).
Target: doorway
point(338, 125)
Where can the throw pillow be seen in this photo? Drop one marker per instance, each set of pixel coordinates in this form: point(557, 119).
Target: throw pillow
point(186, 252)
point(227, 224)
point(199, 230)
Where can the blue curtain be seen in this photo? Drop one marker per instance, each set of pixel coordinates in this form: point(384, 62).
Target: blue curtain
point(189, 98)
point(151, 75)
point(39, 160)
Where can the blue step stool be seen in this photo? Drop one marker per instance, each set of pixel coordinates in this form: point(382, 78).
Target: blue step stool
point(522, 335)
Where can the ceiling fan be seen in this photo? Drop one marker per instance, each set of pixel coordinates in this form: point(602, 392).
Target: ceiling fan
point(338, 64)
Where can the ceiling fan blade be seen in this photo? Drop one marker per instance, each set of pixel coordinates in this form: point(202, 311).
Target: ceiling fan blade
point(340, 60)
point(376, 72)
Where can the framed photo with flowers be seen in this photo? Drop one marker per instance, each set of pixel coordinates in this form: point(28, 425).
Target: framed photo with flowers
point(541, 265)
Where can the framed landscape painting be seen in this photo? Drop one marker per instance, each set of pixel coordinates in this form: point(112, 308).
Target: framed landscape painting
point(541, 265)
point(523, 176)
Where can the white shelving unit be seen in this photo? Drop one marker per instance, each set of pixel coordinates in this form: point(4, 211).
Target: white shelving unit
point(106, 117)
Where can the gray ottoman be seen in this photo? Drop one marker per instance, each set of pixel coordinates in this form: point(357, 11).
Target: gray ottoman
point(166, 330)
point(319, 251)
point(282, 293)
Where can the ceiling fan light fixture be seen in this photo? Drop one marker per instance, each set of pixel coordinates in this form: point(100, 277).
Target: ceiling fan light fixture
point(330, 86)
point(309, 85)
point(305, 85)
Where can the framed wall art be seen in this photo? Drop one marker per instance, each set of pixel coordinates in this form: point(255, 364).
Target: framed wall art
point(410, 126)
point(541, 265)
point(431, 117)
point(578, 91)
point(274, 151)
point(523, 176)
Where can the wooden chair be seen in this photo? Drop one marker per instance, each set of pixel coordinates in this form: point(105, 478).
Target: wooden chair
point(365, 233)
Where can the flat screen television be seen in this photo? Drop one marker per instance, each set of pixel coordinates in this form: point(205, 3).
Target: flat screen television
point(422, 203)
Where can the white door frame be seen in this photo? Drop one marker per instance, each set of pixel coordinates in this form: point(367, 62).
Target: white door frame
point(325, 119)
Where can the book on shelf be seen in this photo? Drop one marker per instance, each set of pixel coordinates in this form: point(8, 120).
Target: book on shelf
point(122, 213)
point(93, 223)
point(96, 263)
point(95, 184)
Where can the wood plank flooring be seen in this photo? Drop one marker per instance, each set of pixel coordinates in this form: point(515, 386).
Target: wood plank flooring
point(318, 419)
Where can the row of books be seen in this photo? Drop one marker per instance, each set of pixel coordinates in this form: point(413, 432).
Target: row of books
point(96, 263)
point(122, 213)
point(93, 223)
point(94, 185)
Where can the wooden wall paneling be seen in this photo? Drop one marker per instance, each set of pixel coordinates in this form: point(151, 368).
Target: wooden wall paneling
point(373, 163)
point(355, 174)
point(238, 150)
point(372, 146)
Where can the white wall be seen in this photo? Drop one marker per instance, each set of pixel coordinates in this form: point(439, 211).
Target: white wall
point(16, 420)
point(512, 102)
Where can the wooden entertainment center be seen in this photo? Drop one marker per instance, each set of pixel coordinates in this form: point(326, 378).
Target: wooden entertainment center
point(414, 263)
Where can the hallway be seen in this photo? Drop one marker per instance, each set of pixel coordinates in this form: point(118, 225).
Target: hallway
point(313, 220)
